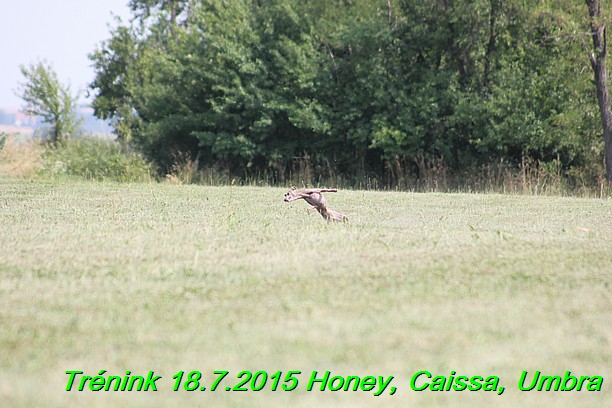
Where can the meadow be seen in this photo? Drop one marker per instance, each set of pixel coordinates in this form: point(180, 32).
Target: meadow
point(107, 276)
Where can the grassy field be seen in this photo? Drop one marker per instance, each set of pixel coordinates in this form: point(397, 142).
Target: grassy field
point(139, 277)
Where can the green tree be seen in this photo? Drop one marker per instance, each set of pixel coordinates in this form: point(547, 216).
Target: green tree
point(46, 97)
point(598, 63)
point(361, 87)
point(143, 9)
point(235, 83)
point(114, 62)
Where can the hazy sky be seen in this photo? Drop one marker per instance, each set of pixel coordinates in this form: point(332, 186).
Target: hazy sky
point(63, 32)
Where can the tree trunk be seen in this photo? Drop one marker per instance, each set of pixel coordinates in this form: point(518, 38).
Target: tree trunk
point(56, 131)
point(172, 12)
point(494, 6)
point(598, 62)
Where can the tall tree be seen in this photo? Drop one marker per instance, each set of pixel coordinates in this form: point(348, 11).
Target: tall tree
point(354, 87)
point(598, 62)
point(46, 97)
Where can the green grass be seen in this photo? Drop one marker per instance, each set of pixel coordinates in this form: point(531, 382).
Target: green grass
point(102, 276)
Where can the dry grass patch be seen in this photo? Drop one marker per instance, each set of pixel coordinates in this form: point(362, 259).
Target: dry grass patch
point(20, 159)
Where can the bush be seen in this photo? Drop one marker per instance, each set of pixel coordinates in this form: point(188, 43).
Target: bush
point(95, 159)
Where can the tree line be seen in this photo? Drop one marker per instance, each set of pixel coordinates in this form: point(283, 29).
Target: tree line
point(358, 88)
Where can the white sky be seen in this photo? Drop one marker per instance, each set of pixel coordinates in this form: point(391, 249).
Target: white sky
point(62, 32)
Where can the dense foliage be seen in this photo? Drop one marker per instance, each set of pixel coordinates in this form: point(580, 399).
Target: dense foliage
point(95, 159)
point(354, 88)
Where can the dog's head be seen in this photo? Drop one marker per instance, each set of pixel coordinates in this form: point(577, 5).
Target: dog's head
point(290, 194)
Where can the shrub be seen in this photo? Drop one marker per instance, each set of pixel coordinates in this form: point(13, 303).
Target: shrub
point(95, 159)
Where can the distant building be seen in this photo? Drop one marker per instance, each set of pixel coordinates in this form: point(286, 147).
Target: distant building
point(24, 120)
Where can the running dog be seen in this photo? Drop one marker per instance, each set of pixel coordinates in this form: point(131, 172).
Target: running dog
point(314, 197)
